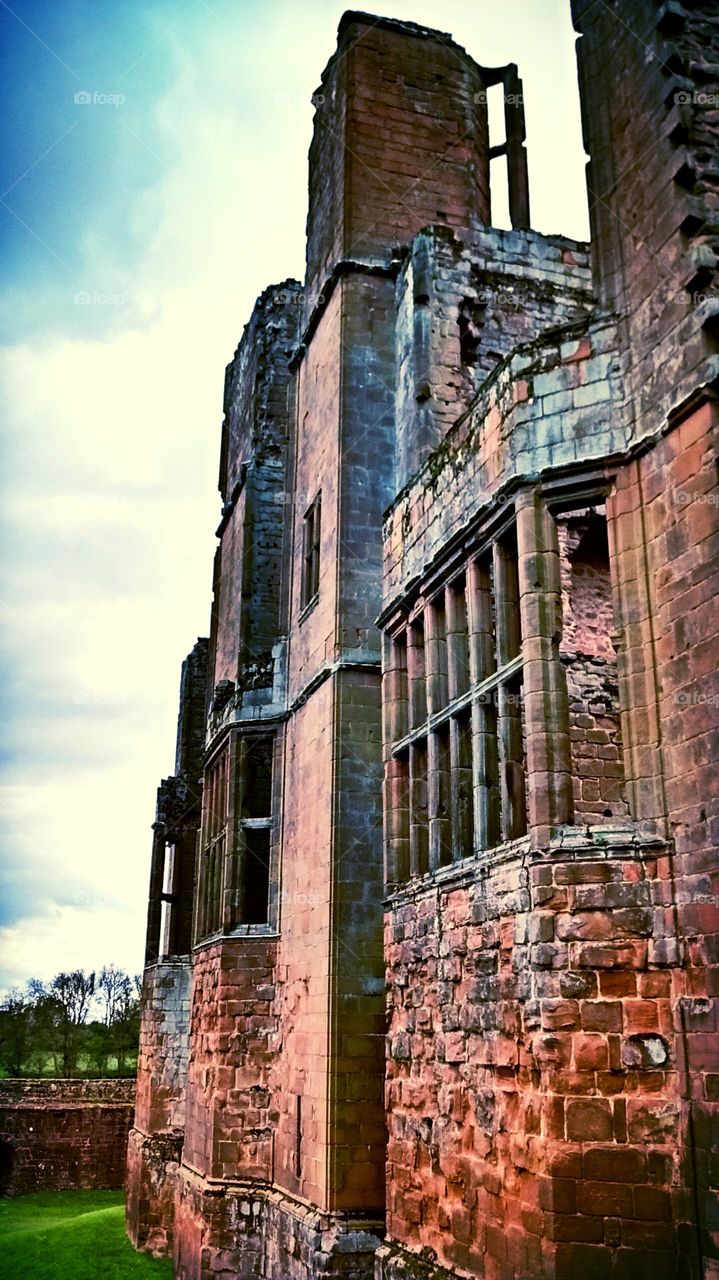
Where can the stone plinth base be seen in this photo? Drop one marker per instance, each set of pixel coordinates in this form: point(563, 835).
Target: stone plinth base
point(392, 1262)
point(153, 1165)
point(257, 1233)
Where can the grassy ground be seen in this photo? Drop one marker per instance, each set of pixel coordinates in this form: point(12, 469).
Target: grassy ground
point(71, 1235)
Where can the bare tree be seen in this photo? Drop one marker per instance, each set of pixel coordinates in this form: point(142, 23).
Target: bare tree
point(114, 993)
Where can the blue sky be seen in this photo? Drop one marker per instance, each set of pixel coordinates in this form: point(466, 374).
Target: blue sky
point(138, 228)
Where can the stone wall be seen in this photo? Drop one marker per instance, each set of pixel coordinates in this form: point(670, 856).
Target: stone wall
point(229, 1106)
point(157, 1134)
point(463, 305)
point(64, 1135)
point(664, 527)
point(247, 1230)
point(651, 73)
point(380, 167)
point(554, 402)
point(533, 1078)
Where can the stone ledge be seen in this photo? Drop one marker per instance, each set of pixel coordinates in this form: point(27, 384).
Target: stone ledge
point(572, 842)
point(393, 1262)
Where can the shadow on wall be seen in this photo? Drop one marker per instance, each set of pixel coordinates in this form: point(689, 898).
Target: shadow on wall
point(7, 1168)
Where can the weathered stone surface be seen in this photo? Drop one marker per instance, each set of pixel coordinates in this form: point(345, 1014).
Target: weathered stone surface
point(64, 1135)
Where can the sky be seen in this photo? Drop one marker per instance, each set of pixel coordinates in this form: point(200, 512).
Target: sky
point(154, 181)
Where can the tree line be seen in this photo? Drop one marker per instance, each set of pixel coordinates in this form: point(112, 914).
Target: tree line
point(79, 1024)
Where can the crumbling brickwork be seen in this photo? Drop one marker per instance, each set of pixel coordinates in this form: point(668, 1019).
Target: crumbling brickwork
point(459, 690)
point(64, 1135)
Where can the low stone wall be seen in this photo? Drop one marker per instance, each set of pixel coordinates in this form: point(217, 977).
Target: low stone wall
point(64, 1135)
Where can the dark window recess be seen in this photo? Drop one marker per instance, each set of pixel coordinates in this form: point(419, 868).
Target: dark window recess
point(255, 828)
point(213, 843)
point(470, 320)
point(7, 1168)
point(311, 552)
point(257, 792)
point(256, 874)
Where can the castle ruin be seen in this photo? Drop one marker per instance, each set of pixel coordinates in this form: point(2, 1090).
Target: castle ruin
point(432, 934)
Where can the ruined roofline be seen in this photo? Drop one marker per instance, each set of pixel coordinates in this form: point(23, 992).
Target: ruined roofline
point(268, 296)
point(399, 25)
point(396, 25)
point(415, 30)
point(533, 347)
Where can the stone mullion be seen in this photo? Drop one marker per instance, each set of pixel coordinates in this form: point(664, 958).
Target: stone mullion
point(231, 878)
point(184, 864)
point(418, 837)
point(394, 690)
point(506, 594)
point(440, 805)
point(196, 932)
point(396, 810)
point(200, 923)
point(438, 765)
point(511, 760)
point(209, 922)
point(509, 711)
point(636, 657)
point(436, 655)
point(479, 621)
point(460, 745)
point(485, 769)
point(457, 641)
point(416, 675)
point(546, 702)
point(154, 908)
point(392, 870)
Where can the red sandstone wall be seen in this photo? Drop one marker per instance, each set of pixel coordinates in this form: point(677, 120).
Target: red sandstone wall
point(162, 1058)
point(228, 594)
point(665, 526)
point(156, 1137)
point(228, 1131)
point(303, 951)
point(399, 98)
point(533, 1087)
point(312, 640)
point(65, 1135)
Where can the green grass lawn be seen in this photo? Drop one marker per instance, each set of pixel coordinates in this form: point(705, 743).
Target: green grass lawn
point(71, 1235)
